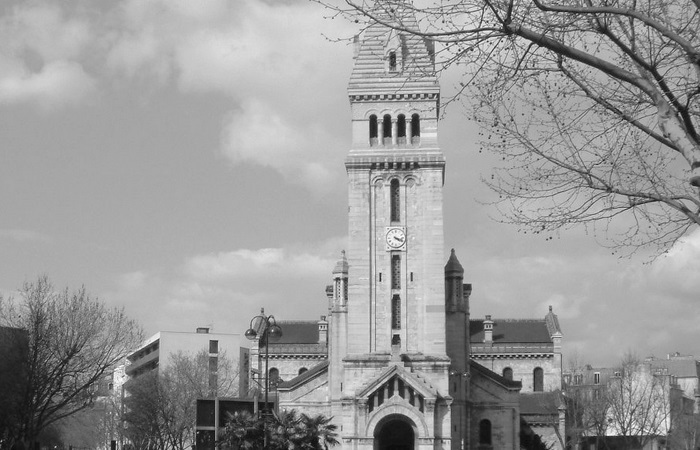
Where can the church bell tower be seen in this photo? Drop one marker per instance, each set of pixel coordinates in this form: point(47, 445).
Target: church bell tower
point(396, 174)
point(389, 369)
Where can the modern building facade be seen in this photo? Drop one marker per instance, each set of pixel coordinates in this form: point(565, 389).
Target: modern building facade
point(158, 351)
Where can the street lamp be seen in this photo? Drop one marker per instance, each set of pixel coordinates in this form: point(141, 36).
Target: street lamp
point(266, 330)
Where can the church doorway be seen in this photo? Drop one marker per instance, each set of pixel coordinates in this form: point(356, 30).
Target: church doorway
point(394, 432)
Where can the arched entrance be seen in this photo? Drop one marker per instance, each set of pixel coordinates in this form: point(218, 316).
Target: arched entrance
point(394, 432)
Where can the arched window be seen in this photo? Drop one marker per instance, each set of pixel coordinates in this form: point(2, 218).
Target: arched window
point(396, 313)
point(538, 380)
point(395, 201)
point(415, 129)
point(401, 129)
point(508, 373)
point(392, 61)
point(395, 272)
point(485, 432)
point(274, 375)
point(373, 130)
point(386, 124)
point(302, 370)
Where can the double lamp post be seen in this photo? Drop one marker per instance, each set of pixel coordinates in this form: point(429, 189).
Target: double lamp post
point(265, 329)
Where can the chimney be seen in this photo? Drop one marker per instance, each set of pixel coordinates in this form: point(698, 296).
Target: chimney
point(488, 330)
point(323, 330)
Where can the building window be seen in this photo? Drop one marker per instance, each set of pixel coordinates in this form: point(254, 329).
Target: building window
point(396, 312)
point(401, 129)
point(274, 376)
point(395, 201)
point(508, 373)
point(415, 126)
point(538, 380)
point(213, 346)
point(302, 370)
point(373, 127)
point(213, 368)
point(395, 271)
point(392, 61)
point(386, 124)
point(596, 378)
point(485, 432)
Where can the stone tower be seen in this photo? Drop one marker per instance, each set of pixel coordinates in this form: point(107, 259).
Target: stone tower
point(396, 173)
point(389, 370)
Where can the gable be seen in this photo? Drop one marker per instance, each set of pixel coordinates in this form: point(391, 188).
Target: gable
point(395, 382)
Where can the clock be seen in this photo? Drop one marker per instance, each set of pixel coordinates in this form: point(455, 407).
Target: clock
point(395, 238)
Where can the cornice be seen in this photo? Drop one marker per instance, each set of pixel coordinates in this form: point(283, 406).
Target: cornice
point(358, 98)
point(404, 162)
point(512, 356)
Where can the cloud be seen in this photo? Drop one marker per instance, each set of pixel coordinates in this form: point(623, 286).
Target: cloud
point(38, 59)
point(257, 134)
point(243, 51)
point(246, 264)
point(55, 54)
point(677, 271)
point(24, 235)
point(57, 83)
point(225, 289)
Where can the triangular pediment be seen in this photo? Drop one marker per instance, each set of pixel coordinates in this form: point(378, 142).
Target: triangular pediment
point(396, 383)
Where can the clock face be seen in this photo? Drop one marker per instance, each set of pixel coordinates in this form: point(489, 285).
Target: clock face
point(396, 238)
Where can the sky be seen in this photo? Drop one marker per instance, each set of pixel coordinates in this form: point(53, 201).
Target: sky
point(184, 161)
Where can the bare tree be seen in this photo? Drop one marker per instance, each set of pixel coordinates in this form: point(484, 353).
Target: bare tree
point(161, 407)
point(639, 403)
point(587, 406)
point(592, 105)
point(685, 434)
point(72, 341)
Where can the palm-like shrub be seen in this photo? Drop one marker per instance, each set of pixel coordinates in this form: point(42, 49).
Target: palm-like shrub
point(287, 430)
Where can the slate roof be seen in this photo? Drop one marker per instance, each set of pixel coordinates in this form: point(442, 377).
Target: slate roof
point(417, 74)
point(681, 368)
point(299, 338)
point(301, 379)
point(298, 332)
point(511, 384)
point(511, 331)
point(540, 403)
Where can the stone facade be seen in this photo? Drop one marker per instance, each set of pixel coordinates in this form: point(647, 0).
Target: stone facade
point(519, 349)
point(398, 372)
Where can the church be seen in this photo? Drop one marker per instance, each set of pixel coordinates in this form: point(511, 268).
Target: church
point(392, 362)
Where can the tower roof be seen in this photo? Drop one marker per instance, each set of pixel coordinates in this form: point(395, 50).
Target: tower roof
point(341, 267)
point(411, 68)
point(453, 267)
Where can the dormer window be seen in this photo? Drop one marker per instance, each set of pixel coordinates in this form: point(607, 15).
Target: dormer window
point(392, 61)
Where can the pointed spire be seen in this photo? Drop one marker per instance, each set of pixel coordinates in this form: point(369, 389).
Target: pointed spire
point(453, 267)
point(341, 267)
